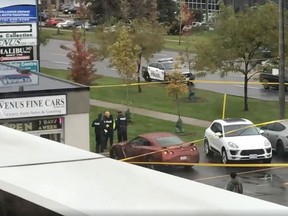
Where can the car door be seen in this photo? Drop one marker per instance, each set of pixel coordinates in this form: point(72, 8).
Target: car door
point(214, 140)
point(137, 147)
point(153, 71)
point(161, 71)
point(275, 132)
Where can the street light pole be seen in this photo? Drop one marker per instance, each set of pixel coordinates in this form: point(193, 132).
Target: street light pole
point(282, 61)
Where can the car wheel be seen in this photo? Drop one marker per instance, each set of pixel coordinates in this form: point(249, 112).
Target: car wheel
point(207, 149)
point(152, 166)
point(116, 154)
point(267, 161)
point(265, 85)
point(187, 168)
point(224, 157)
point(280, 148)
point(147, 77)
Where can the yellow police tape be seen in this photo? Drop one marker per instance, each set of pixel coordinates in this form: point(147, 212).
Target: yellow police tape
point(194, 81)
point(195, 141)
point(211, 164)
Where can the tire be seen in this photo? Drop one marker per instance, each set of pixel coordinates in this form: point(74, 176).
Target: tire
point(280, 151)
point(116, 154)
point(147, 77)
point(265, 85)
point(267, 161)
point(187, 168)
point(207, 149)
point(224, 157)
point(152, 166)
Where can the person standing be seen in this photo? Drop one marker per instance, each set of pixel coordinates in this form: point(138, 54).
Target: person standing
point(98, 125)
point(108, 128)
point(121, 127)
point(234, 184)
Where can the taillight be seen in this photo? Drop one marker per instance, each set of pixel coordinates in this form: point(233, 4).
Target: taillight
point(168, 152)
point(193, 148)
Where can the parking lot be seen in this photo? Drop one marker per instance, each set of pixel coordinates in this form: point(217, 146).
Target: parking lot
point(269, 184)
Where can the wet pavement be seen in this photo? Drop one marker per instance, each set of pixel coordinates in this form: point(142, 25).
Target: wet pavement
point(270, 184)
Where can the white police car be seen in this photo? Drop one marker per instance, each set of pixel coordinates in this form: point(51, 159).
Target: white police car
point(236, 139)
point(159, 70)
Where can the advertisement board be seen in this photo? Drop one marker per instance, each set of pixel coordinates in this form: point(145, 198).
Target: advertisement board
point(33, 106)
point(25, 65)
point(18, 30)
point(12, 76)
point(18, 11)
point(16, 53)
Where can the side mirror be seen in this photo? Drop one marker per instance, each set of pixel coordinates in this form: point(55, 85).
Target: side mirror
point(261, 131)
point(219, 134)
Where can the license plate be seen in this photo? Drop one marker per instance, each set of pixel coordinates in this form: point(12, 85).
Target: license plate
point(183, 157)
point(253, 156)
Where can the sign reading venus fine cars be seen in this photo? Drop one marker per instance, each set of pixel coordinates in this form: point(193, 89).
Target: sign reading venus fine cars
point(18, 39)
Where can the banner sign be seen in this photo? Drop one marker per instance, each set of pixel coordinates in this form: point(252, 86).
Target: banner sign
point(16, 53)
point(33, 106)
point(18, 30)
point(12, 76)
point(36, 125)
point(18, 11)
point(26, 65)
point(12, 42)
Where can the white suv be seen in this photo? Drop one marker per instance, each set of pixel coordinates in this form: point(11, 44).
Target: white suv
point(236, 140)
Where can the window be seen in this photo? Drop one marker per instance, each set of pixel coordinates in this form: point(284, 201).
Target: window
point(216, 127)
point(268, 126)
point(240, 130)
point(153, 65)
point(169, 141)
point(279, 127)
point(139, 141)
point(160, 66)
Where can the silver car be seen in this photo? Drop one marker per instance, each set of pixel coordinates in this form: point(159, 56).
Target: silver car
point(277, 134)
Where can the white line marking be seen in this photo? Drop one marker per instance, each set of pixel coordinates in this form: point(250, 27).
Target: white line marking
point(249, 87)
point(60, 62)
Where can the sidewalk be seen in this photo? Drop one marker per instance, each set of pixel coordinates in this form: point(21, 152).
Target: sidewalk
point(153, 114)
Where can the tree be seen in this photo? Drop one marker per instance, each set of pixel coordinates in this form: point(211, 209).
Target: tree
point(167, 10)
point(185, 17)
point(238, 38)
point(177, 85)
point(123, 56)
point(145, 34)
point(81, 60)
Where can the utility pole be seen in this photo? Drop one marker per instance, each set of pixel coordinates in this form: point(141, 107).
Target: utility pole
point(206, 6)
point(282, 61)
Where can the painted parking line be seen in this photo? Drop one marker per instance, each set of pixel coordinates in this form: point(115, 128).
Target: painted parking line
point(240, 173)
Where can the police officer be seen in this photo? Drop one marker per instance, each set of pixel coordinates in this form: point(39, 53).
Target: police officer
point(108, 128)
point(98, 125)
point(121, 127)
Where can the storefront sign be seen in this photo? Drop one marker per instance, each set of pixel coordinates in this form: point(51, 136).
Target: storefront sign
point(16, 53)
point(18, 11)
point(33, 106)
point(11, 42)
point(36, 125)
point(12, 76)
point(26, 65)
point(18, 30)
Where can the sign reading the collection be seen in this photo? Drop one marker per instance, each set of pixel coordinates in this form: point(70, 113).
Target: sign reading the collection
point(16, 53)
point(18, 11)
point(33, 106)
point(25, 65)
point(36, 125)
point(11, 76)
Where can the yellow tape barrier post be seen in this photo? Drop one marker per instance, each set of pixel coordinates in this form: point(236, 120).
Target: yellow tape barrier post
point(224, 106)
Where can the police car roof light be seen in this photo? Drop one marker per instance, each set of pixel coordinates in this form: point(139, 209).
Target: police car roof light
point(165, 59)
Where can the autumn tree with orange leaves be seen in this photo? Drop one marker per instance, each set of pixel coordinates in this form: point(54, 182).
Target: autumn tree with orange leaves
point(185, 17)
point(82, 60)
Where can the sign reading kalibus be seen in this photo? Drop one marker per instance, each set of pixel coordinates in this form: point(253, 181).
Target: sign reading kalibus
point(18, 11)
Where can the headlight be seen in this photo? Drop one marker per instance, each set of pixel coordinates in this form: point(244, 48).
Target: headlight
point(232, 145)
point(267, 143)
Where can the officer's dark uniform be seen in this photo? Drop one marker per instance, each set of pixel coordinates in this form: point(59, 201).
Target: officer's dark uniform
point(121, 127)
point(98, 125)
point(108, 129)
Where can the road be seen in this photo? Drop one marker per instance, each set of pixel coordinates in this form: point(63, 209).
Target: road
point(52, 56)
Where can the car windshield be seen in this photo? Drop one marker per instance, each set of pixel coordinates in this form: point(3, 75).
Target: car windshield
point(169, 141)
point(240, 130)
point(168, 65)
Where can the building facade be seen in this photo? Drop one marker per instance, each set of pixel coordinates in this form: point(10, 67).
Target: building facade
point(45, 106)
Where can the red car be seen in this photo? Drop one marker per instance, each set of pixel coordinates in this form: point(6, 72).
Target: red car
point(167, 147)
point(53, 21)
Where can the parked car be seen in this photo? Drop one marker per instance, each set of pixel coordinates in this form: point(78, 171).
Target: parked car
point(86, 25)
point(42, 16)
point(168, 147)
point(53, 21)
point(70, 10)
point(65, 6)
point(160, 70)
point(236, 139)
point(65, 24)
point(277, 134)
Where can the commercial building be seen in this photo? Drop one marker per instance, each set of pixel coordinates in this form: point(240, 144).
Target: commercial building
point(44, 106)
